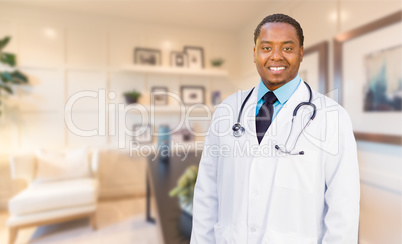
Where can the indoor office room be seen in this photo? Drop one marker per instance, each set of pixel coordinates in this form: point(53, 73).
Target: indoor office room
point(106, 107)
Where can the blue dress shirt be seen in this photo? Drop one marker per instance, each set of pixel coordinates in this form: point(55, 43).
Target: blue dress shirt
point(283, 94)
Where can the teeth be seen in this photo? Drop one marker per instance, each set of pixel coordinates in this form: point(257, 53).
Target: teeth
point(277, 68)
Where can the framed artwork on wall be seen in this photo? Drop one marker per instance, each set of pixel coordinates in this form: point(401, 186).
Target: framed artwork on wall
point(314, 68)
point(178, 59)
point(195, 57)
point(147, 56)
point(159, 96)
point(192, 94)
point(142, 133)
point(368, 76)
point(182, 135)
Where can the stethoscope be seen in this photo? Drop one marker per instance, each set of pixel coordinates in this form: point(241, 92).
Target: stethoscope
point(239, 130)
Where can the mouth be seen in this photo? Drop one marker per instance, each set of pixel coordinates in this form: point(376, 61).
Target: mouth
point(277, 69)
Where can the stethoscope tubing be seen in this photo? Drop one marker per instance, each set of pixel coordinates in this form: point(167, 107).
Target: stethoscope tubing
point(239, 130)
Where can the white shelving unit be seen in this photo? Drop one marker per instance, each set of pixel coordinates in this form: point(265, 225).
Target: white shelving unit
point(174, 71)
point(174, 78)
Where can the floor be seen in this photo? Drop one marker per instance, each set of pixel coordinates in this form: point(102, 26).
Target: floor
point(119, 221)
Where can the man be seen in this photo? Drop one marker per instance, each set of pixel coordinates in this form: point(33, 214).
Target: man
point(283, 180)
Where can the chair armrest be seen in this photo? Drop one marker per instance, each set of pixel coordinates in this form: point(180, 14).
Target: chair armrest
point(95, 163)
point(23, 167)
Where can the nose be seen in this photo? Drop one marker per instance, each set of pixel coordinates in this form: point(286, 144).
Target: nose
point(276, 54)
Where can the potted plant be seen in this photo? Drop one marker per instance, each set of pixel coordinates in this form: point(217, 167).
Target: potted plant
point(185, 192)
point(132, 96)
point(185, 189)
point(9, 75)
point(217, 62)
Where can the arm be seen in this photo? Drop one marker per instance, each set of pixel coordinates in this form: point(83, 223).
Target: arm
point(342, 194)
point(205, 203)
point(23, 167)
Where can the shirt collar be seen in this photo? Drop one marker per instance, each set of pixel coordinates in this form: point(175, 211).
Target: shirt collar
point(283, 93)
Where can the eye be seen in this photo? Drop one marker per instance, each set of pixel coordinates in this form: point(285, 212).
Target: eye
point(287, 48)
point(266, 48)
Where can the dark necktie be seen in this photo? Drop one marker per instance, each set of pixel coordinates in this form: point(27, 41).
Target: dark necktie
point(264, 116)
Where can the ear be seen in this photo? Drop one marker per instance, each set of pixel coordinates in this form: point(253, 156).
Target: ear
point(301, 53)
point(254, 53)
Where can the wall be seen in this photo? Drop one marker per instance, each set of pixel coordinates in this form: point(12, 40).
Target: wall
point(380, 164)
point(86, 51)
point(65, 53)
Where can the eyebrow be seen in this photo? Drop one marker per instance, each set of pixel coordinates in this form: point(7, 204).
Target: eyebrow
point(285, 42)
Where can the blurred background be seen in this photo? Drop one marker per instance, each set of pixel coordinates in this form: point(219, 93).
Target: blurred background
point(199, 51)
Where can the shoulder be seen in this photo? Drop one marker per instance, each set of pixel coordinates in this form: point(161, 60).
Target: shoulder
point(233, 102)
point(236, 97)
point(332, 125)
point(331, 113)
point(326, 104)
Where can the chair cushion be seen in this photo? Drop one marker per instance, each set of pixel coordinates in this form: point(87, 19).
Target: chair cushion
point(47, 196)
point(54, 166)
point(48, 216)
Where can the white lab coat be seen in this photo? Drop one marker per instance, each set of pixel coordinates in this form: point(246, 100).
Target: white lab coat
point(251, 193)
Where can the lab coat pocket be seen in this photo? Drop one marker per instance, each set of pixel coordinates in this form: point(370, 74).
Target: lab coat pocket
point(222, 234)
point(298, 172)
point(274, 237)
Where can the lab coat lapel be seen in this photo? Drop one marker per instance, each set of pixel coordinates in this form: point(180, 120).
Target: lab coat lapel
point(279, 129)
point(249, 119)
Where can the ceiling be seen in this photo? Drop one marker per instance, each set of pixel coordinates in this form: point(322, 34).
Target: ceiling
point(228, 15)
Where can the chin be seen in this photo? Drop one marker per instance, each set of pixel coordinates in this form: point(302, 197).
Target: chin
point(276, 82)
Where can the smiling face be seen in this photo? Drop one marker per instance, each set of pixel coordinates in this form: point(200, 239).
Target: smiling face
point(277, 54)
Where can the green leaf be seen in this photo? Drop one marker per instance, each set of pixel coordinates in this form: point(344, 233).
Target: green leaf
point(6, 88)
point(20, 77)
point(185, 184)
point(174, 192)
point(6, 76)
point(184, 192)
point(15, 77)
point(3, 42)
point(8, 58)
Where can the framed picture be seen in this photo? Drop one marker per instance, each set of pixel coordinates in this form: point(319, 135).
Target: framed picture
point(368, 76)
point(178, 59)
point(147, 56)
point(143, 133)
point(183, 135)
point(195, 57)
point(314, 68)
point(159, 96)
point(192, 94)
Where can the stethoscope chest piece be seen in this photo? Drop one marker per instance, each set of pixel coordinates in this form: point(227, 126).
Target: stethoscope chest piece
point(238, 130)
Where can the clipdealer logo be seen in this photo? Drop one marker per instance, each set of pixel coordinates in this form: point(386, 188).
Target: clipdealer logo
point(112, 121)
point(112, 117)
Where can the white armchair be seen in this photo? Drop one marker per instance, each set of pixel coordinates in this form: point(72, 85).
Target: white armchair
point(47, 201)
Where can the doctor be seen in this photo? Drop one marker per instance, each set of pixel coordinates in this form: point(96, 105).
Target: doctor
point(270, 179)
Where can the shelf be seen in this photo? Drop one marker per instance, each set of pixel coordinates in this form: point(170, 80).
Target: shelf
point(174, 71)
point(171, 109)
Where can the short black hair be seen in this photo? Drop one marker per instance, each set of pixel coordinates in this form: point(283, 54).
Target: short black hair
point(280, 18)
